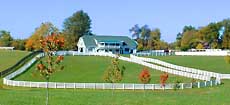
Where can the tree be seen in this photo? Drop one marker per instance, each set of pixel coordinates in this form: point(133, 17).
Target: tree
point(215, 35)
point(227, 59)
point(148, 39)
point(113, 73)
point(178, 40)
point(226, 40)
point(43, 30)
point(199, 46)
point(76, 26)
point(140, 46)
point(50, 44)
point(18, 44)
point(163, 79)
point(226, 36)
point(145, 76)
point(5, 38)
point(145, 33)
point(154, 40)
point(136, 31)
point(187, 40)
point(188, 28)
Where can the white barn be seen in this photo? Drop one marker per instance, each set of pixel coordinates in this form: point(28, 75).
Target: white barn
point(114, 44)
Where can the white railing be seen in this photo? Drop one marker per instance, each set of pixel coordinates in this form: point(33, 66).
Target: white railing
point(180, 68)
point(6, 48)
point(124, 86)
point(7, 81)
point(206, 53)
point(225, 76)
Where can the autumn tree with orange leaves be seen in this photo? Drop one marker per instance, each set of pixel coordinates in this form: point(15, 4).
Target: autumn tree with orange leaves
point(145, 76)
point(163, 79)
point(32, 43)
point(50, 44)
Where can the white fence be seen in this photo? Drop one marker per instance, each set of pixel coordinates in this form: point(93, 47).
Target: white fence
point(169, 70)
point(6, 48)
point(218, 76)
point(155, 53)
point(204, 53)
point(7, 81)
point(124, 86)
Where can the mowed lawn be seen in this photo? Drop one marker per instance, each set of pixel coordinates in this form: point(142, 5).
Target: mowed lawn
point(8, 58)
point(215, 64)
point(217, 95)
point(90, 69)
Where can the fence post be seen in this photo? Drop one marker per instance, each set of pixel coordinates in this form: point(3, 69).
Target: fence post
point(64, 86)
point(55, 85)
point(74, 85)
point(182, 86)
point(191, 85)
point(84, 85)
point(133, 86)
point(211, 82)
point(198, 84)
point(123, 86)
point(205, 83)
point(95, 86)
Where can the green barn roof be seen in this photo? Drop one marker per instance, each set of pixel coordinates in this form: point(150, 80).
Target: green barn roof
point(89, 40)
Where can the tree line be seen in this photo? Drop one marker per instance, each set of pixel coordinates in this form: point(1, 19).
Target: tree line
point(215, 35)
point(148, 39)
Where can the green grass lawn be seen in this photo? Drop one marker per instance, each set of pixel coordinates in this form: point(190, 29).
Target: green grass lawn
point(91, 69)
point(9, 58)
point(218, 95)
point(204, 96)
point(215, 64)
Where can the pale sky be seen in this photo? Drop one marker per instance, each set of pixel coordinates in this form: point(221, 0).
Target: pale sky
point(112, 17)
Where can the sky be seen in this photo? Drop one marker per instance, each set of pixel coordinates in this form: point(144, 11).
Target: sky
point(112, 17)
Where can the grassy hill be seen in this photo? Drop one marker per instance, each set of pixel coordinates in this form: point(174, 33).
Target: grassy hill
point(91, 69)
point(9, 58)
point(217, 95)
point(215, 64)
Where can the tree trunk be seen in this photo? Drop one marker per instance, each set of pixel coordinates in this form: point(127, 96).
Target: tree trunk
point(144, 90)
point(47, 92)
point(113, 89)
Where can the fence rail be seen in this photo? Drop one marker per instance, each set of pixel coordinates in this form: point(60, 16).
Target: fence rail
point(7, 80)
point(218, 76)
point(206, 53)
point(124, 86)
point(179, 68)
point(20, 62)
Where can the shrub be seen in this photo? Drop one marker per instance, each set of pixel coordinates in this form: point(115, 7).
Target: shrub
point(176, 85)
point(194, 83)
point(163, 79)
point(145, 76)
point(227, 59)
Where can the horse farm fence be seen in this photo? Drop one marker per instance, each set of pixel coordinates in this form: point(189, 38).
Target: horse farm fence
point(207, 82)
